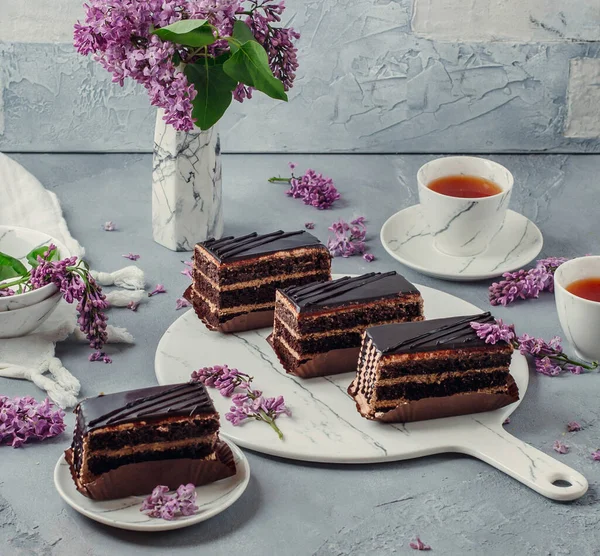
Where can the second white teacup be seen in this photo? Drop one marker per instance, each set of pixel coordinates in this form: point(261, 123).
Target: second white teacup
point(464, 226)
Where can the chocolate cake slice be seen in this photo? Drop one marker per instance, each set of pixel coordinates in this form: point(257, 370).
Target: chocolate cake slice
point(318, 327)
point(430, 369)
point(127, 443)
point(235, 278)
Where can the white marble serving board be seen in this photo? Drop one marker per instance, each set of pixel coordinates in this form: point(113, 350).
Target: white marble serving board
point(125, 513)
point(325, 426)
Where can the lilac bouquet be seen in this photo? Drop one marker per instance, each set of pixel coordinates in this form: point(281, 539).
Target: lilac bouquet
point(247, 404)
point(72, 278)
point(192, 56)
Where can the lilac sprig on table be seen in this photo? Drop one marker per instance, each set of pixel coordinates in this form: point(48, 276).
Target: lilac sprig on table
point(549, 358)
point(24, 419)
point(525, 284)
point(349, 239)
point(312, 187)
point(247, 404)
point(167, 506)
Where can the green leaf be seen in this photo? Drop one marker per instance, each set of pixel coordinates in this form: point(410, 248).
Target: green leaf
point(188, 32)
point(242, 33)
point(33, 255)
point(11, 267)
point(250, 65)
point(213, 87)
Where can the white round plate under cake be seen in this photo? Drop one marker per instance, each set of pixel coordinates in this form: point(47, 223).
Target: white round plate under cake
point(125, 513)
point(325, 426)
point(405, 236)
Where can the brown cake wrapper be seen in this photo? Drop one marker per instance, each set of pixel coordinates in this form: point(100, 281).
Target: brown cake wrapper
point(334, 362)
point(137, 479)
point(241, 323)
point(436, 408)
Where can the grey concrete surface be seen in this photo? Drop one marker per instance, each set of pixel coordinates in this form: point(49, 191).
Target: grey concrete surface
point(456, 504)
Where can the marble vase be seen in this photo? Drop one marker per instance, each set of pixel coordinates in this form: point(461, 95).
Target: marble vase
point(186, 186)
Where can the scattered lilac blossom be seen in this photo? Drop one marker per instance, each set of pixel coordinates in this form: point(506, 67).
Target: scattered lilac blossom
point(349, 239)
point(574, 426)
point(169, 506)
point(309, 225)
point(158, 289)
point(525, 284)
point(313, 188)
point(181, 303)
point(369, 257)
point(506, 421)
point(247, 404)
point(596, 455)
point(24, 419)
point(100, 356)
point(133, 306)
point(131, 256)
point(109, 226)
point(493, 333)
point(560, 447)
point(292, 166)
point(418, 544)
point(6, 292)
point(74, 281)
point(187, 271)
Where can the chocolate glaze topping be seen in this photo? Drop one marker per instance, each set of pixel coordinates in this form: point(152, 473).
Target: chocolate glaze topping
point(254, 244)
point(346, 290)
point(148, 403)
point(429, 335)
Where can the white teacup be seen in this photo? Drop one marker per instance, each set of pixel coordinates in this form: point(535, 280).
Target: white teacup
point(461, 226)
point(579, 318)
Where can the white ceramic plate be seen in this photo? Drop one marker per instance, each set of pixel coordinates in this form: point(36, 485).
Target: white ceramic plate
point(325, 426)
point(405, 237)
point(124, 513)
point(17, 242)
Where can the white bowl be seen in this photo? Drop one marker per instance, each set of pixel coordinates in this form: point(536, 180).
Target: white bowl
point(23, 321)
point(17, 242)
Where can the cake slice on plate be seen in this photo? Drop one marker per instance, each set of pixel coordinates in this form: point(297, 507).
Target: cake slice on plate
point(235, 278)
point(318, 327)
point(128, 443)
point(430, 369)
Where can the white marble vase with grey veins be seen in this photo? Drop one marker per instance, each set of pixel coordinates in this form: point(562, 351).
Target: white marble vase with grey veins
point(186, 186)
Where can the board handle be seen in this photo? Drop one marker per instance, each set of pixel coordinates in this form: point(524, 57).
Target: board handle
point(492, 444)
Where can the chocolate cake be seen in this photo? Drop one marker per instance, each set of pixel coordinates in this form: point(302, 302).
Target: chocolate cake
point(318, 327)
point(129, 442)
point(435, 368)
point(235, 278)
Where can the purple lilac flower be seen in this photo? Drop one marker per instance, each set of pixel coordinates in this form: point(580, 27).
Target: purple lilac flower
point(506, 421)
point(221, 377)
point(493, 333)
point(131, 256)
point(166, 506)
point(76, 283)
point(181, 303)
point(100, 356)
point(187, 271)
point(109, 226)
point(309, 225)
point(349, 239)
point(24, 419)
point(158, 289)
point(596, 455)
point(418, 544)
point(133, 306)
point(560, 447)
point(314, 189)
point(369, 257)
point(549, 266)
point(574, 426)
point(6, 292)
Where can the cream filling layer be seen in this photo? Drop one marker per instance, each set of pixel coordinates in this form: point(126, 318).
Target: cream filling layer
point(437, 377)
point(156, 446)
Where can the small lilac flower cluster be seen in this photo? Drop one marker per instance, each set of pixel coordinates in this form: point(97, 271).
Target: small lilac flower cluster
point(525, 284)
point(313, 188)
point(24, 419)
point(560, 447)
point(6, 292)
point(548, 357)
point(248, 404)
point(187, 271)
point(169, 506)
point(349, 239)
point(131, 256)
point(574, 426)
point(596, 455)
point(74, 281)
point(418, 544)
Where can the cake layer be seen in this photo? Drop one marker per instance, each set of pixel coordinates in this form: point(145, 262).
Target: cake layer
point(347, 291)
point(409, 308)
point(290, 361)
point(114, 438)
point(257, 294)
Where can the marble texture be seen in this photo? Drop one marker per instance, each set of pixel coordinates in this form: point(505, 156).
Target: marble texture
point(186, 186)
point(406, 236)
point(458, 505)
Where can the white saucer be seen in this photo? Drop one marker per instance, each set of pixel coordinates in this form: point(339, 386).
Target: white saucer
point(405, 237)
point(124, 513)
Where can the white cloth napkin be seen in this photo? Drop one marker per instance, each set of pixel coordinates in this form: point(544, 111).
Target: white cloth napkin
point(25, 202)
